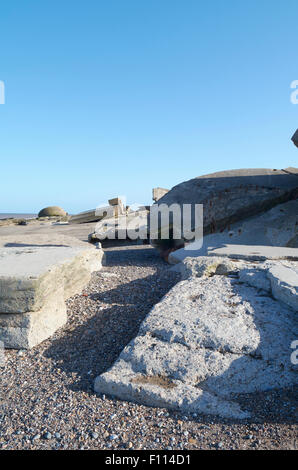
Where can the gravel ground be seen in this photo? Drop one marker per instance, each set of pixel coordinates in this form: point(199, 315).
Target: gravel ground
point(46, 394)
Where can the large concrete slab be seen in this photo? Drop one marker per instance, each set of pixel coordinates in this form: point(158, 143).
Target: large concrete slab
point(214, 335)
point(273, 234)
point(26, 330)
point(32, 269)
point(231, 196)
point(50, 229)
point(279, 279)
point(114, 208)
point(256, 253)
point(37, 274)
point(132, 226)
point(284, 283)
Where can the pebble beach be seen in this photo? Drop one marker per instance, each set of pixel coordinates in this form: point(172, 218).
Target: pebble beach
point(47, 399)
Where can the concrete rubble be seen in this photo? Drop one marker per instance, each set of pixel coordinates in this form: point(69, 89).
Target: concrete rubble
point(225, 329)
point(37, 275)
point(131, 226)
point(272, 234)
point(158, 193)
point(114, 209)
point(231, 196)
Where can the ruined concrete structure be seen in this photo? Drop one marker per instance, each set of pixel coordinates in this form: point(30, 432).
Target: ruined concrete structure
point(37, 274)
point(158, 193)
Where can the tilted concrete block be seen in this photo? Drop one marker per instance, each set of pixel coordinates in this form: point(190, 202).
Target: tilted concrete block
point(37, 275)
point(158, 193)
point(216, 334)
point(26, 330)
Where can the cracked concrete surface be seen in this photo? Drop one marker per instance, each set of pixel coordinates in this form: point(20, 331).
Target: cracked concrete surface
point(217, 333)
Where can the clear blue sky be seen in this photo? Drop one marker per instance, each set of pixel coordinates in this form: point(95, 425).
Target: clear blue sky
point(118, 96)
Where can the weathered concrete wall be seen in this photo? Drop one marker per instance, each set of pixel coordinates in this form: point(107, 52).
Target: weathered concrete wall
point(232, 196)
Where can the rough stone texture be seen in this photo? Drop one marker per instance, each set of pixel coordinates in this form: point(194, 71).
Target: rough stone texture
point(284, 284)
point(122, 227)
point(24, 331)
point(210, 337)
point(277, 227)
point(278, 279)
point(158, 193)
point(49, 388)
point(114, 209)
point(36, 276)
point(52, 211)
point(231, 196)
point(256, 253)
point(207, 266)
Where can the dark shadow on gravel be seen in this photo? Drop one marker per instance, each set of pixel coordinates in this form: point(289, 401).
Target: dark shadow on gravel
point(92, 347)
point(137, 256)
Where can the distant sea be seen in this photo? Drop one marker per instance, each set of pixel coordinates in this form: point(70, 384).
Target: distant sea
point(3, 215)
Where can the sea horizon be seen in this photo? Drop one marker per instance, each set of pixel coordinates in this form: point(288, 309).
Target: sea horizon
point(17, 215)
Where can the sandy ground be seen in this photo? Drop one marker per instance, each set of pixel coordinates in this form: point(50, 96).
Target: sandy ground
point(79, 231)
point(46, 394)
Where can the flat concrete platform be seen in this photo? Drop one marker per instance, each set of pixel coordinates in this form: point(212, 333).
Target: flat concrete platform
point(37, 274)
point(51, 229)
point(272, 235)
point(248, 252)
point(31, 263)
point(256, 253)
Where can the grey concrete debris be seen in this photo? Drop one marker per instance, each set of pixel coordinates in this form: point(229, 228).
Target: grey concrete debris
point(277, 278)
point(232, 196)
point(132, 226)
point(117, 202)
point(26, 330)
point(253, 253)
point(284, 284)
point(37, 274)
point(217, 333)
point(92, 215)
point(158, 193)
point(114, 209)
point(276, 228)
